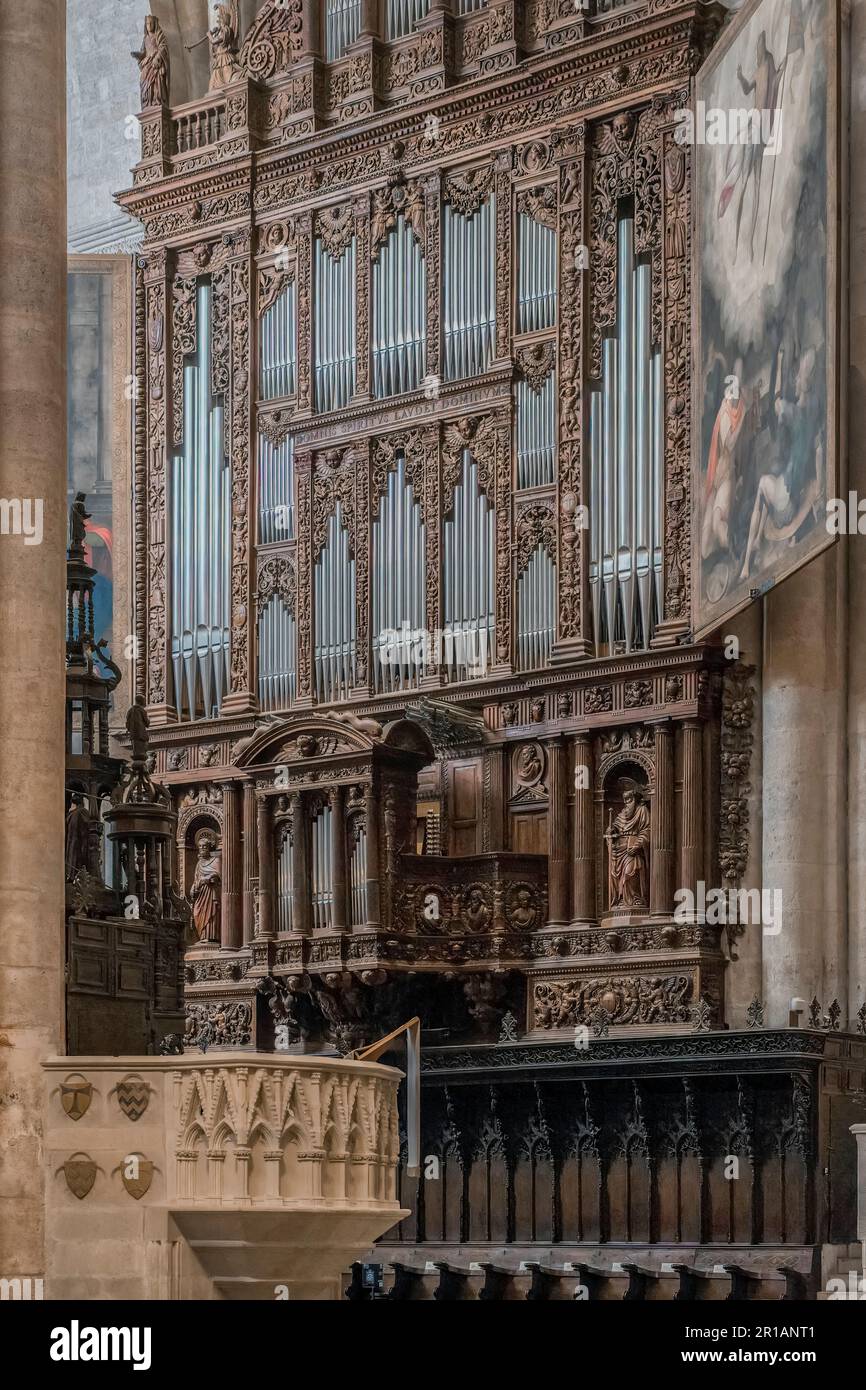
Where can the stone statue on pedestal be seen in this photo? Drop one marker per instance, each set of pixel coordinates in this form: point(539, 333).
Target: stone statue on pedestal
point(206, 884)
point(628, 838)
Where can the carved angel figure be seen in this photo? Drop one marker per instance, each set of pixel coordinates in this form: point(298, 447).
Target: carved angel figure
point(153, 64)
point(223, 40)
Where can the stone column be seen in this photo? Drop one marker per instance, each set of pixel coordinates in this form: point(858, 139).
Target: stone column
point(662, 825)
point(250, 861)
point(339, 914)
point(301, 892)
point(230, 922)
point(583, 863)
point(557, 834)
point(691, 845)
point(804, 783)
point(266, 865)
point(32, 583)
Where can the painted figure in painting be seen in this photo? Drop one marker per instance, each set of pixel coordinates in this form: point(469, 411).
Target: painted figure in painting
point(765, 457)
point(205, 893)
point(628, 838)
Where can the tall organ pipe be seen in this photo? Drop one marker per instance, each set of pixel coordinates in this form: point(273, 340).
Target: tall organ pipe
point(469, 283)
point(334, 327)
point(200, 532)
point(335, 623)
point(536, 439)
point(284, 884)
point(358, 878)
point(401, 16)
point(398, 586)
point(276, 490)
point(277, 349)
point(277, 655)
point(342, 26)
point(399, 313)
point(322, 868)
point(536, 275)
point(626, 464)
point(536, 599)
point(470, 555)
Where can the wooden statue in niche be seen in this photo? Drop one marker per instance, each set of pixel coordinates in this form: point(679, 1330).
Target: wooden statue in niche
point(628, 837)
point(204, 895)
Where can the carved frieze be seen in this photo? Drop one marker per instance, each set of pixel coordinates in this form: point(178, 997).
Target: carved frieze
point(737, 743)
point(624, 999)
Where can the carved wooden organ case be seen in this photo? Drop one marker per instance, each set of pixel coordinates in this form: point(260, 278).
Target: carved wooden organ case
point(412, 442)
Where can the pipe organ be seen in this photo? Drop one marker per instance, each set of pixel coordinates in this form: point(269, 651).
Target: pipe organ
point(399, 313)
point(469, 288)
point(278, 655)
point(334, 298)
point(342, 26)
point(469, 537)
point(334, 607)
point(322, 882)
point(424, 536)
point(276, 490)
point(277, 346)
point(200, 551)
point(284, 888)
point(398, 550)
point(536, 274)
point(535, 429)
point(626, 441)
point(536, 611)
point(401, 16)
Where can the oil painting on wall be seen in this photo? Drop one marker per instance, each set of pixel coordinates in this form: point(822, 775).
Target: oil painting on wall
point(766, 366)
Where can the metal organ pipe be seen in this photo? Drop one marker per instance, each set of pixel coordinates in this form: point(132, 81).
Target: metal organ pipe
point(322, 868)
point(276, 490)
point(401, 16)
point(342, 26)
point(398, 586)
point(536, 433)
point(626, 465)
point(200, 533)
point(536, 601)
point(470, 556)
point(468, 6)
point(277, 655)
point(277, 350)
point(334, 327)
point(284, 883)
point(469, 284)
point(334, 599)
point(536, 275)
point(358, 876)
point(399, 313)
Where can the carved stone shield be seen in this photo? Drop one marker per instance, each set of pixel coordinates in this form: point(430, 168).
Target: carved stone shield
point(75, 1095)
point(80, 1173)
point(136, 1187)
point(133, 1096)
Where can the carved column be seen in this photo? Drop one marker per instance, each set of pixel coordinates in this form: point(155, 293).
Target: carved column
point(504, 566)
point(241, 449)
point(583, 863)
point(305, 313)
point(266, 865)
point(373, 866)
point(572, 631)
point(504, 244)
point(156, 599)
point(230, 921)
point(662, 824)
point(692, 848)
point(495, 792)
point(339, 905)
point(557, 834)
point(364, 276)
point(250, 861)
point(433, 271)
point(363, 615)
point(433, 566)
point(301, 890)
point(32, 582)
point(304, 598)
